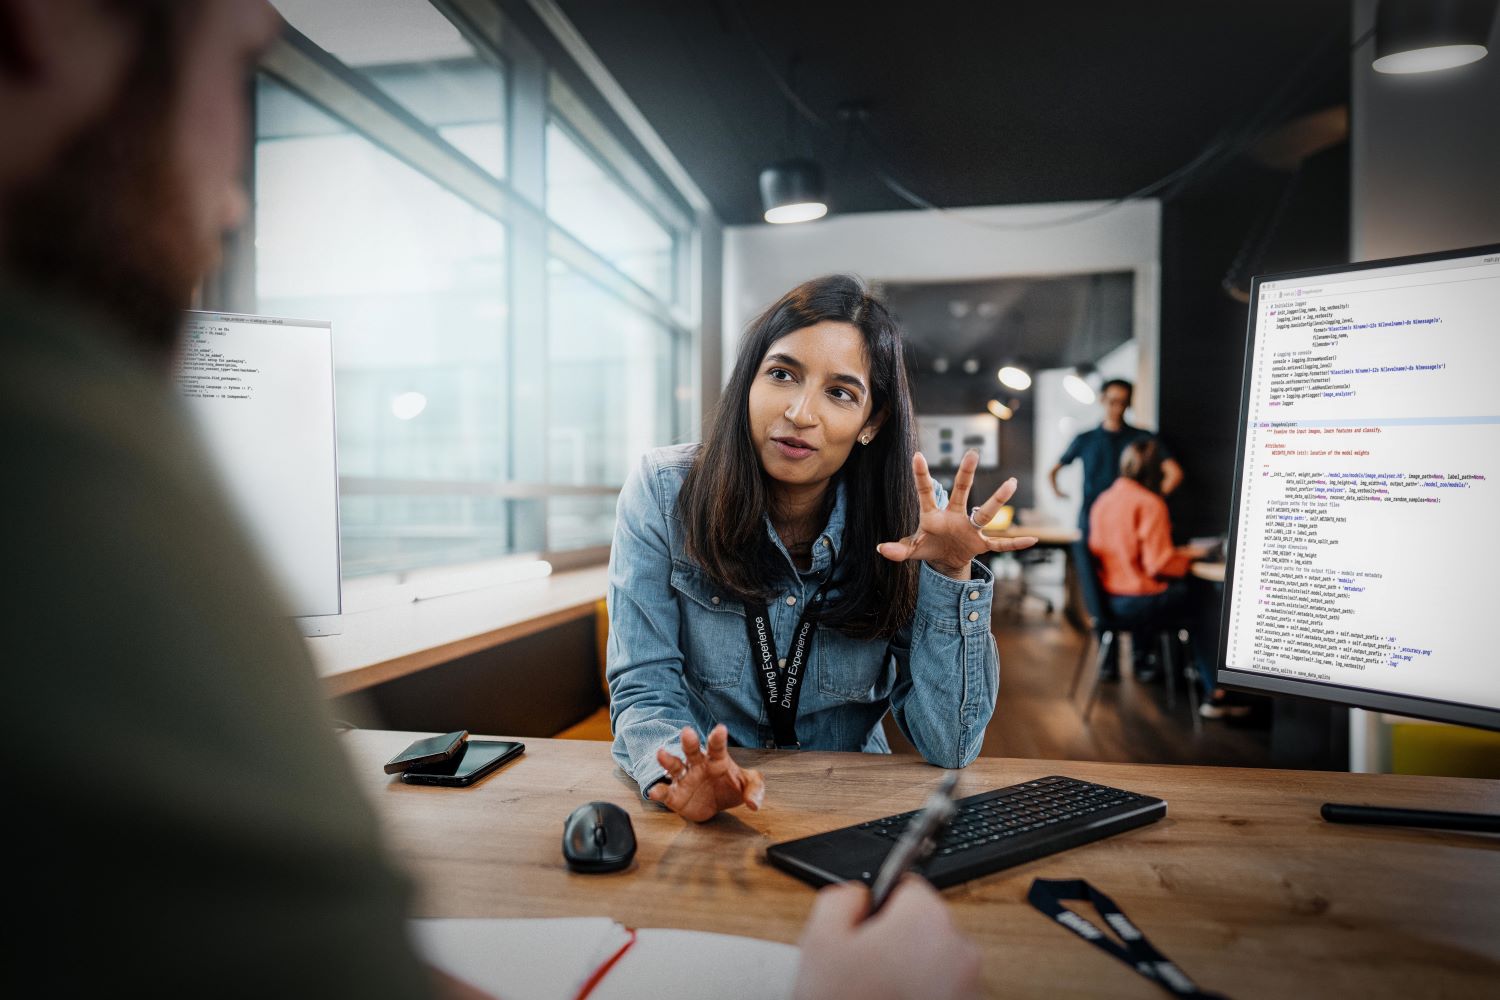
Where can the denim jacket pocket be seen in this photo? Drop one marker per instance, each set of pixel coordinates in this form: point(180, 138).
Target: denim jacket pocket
point(713, 629)
point(847, 669)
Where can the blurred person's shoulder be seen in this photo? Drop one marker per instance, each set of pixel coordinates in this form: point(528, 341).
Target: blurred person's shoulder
point(140, 624)
point(66, 371)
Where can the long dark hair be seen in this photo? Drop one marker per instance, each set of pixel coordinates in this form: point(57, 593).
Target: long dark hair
point(725, 498)
point(1141, 461)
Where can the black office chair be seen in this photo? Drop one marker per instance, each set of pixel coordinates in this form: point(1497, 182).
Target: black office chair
point(1105, 630)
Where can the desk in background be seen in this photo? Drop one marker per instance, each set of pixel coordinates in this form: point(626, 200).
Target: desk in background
point(1054, 536)
point(517, 657)
point(1242, 883)
point(1050, 536)
point(1208, 570)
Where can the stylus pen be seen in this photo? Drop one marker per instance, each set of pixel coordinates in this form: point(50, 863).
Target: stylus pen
point(1337, 812)
point(916, 843)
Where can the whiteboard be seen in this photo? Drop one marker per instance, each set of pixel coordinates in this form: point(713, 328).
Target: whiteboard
point(260, 391)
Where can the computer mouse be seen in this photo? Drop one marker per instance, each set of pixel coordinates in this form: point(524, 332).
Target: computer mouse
point(598, 837)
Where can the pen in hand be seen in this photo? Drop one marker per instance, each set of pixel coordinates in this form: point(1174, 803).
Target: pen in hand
point(916, 843)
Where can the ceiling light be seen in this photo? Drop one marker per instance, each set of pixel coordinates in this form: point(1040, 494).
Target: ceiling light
point(792, 191)
point(971, 365)
point(940, 365)
point(1078, 388)
point(999, 409)
point(1014, 378)
point(1421, 36)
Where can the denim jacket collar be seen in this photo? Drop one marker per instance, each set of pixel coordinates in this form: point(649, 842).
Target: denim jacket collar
point(830, 543)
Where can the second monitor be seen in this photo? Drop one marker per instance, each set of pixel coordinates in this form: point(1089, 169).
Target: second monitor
point(1364, 539)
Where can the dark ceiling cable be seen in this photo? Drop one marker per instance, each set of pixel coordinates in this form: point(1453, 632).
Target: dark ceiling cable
point(904, 192)
point(737, 15)
point(1224, 147)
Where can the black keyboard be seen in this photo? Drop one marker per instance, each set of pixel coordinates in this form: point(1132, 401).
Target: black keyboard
point(990, 831)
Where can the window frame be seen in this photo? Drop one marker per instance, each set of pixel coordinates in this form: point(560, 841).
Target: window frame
point(536, 95)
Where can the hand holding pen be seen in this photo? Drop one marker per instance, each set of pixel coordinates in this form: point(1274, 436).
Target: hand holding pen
point(917, 841)
point(909, 949)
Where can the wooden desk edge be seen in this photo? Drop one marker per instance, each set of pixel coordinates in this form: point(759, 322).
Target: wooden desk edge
point(360, 678)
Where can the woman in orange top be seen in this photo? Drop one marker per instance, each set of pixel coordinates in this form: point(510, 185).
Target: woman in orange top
point(1141, 571)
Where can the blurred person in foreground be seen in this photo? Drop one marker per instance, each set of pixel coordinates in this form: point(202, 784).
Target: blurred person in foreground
point(1143, 574)
point(189, 821)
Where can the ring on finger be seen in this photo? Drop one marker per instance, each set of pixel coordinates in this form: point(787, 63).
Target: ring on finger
point(973, 519)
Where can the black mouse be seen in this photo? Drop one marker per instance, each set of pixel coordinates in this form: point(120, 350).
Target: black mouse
point(598, 838)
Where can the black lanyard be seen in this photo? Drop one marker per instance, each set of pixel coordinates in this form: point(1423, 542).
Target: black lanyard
point(781, 688)
point(1047, 895)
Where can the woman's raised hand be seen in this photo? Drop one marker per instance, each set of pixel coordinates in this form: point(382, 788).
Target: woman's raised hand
point(706, 783)
point(947, 538)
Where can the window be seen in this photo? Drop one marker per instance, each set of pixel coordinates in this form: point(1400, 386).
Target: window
point(613, 377)
point(508, 339)
point(413, 280)
point(584, 199)
point(418, 58)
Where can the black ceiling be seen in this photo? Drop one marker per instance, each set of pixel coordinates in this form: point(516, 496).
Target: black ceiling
point(972, 103)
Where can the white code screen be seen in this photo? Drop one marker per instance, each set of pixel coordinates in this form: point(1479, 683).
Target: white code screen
point(1367, 542)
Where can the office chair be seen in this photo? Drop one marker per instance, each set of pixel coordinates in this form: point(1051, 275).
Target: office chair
point(1105, 629)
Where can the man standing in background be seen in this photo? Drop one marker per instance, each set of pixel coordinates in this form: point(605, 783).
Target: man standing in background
point(1101, 448)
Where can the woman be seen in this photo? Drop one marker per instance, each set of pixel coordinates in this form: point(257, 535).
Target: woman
point(1142, 573)
point(757, 590)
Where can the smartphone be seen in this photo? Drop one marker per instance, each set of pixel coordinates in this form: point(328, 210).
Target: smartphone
point(433, 750)
point(479, 758)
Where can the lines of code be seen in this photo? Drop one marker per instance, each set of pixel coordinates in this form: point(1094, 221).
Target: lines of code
point(1367, 535)
point(205, 371)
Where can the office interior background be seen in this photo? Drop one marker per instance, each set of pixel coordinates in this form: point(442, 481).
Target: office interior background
point(537, 229)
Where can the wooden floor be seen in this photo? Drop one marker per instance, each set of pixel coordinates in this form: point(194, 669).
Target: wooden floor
point(1035, 718)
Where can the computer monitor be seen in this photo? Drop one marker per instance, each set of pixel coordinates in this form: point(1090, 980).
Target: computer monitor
point(260, 390)
point(1364, 553)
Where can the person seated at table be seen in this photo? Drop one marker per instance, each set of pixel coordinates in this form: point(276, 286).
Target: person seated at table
point(799, 574)
point(1142, 573)
point(190, 824)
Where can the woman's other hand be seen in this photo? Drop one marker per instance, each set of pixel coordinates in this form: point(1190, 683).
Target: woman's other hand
point(910, 950)
point(706, 782)
point(946, 539)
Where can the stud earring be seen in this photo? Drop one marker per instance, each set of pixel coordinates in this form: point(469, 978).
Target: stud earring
point(864, 439)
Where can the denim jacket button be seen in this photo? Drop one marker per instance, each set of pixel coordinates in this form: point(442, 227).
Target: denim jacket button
point(973, 616)
point(791, 600)
point(715, 598)
point(781, 663)
point(973, 595)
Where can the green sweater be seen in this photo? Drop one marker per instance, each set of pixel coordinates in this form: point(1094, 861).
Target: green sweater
point(187, 821)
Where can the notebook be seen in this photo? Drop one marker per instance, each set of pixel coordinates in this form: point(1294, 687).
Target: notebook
point(598, 959)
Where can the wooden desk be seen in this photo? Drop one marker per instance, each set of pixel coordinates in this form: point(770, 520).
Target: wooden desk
point(1242, 884)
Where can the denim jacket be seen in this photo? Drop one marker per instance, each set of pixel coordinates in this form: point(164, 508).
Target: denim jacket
point(678, 654)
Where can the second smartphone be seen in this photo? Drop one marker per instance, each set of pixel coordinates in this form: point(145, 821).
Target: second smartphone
point(478, 758)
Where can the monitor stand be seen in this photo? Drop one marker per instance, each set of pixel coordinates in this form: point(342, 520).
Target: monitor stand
point(320, 625)
point(1337, 812)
